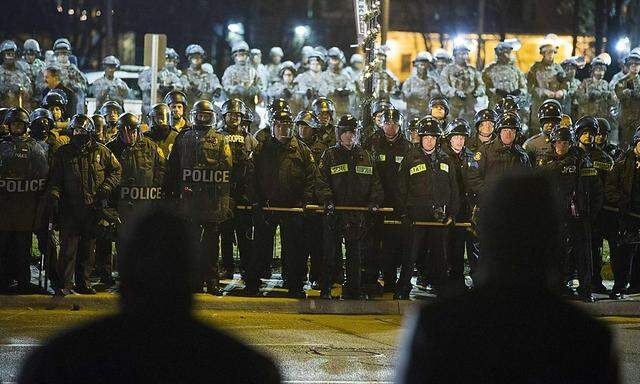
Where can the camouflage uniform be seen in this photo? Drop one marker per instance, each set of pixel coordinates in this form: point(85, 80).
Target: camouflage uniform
point(168, 80)
point(417, 92)
point(385, 84)
point(628, 92)
point(504, 77)
point(465, 86)
point(15, 87)
point(242, 82)
point(200, 84)
point(289, 92)
point(340, 90)
point(596, 98)
point(72, 78)
point(568, 102)
point(543, 77)
point(311, 82)
point(105, 90)
point(33, 70)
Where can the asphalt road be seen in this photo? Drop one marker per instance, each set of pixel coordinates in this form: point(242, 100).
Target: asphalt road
point(308, 348)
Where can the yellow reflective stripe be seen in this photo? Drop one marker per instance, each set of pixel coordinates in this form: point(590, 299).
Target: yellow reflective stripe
point(339, 169)
point(417, 169)
point(602, 165)
point(399, 159)
point(588, 172)
point(364, 170)
point(444, 167)
point(382, 157)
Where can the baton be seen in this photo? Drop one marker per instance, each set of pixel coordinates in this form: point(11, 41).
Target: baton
point(347, 208)
point(428, 223)
point(613, 209)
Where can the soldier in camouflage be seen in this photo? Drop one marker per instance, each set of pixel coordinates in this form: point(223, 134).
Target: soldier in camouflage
point(169, 79)
point(109, 87)
point(594, 96)
point(420, 86)
point(354, 70)
point(303, 64)
point(628, 92)
point(465, 84)
point(287, 89)
point(199, 84)
point(503, 77)
point(273, 68)
point(385, 83)
point(545, 79)
point(240, 80)
point(311, 83)
point(569, 102)
point(340, 88)
point(255, 56)
point(71, 77)
point(15, 86)
point(33, 67)
point(441, 59)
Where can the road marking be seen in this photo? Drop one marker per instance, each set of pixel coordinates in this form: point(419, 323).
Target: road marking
point(336, 381)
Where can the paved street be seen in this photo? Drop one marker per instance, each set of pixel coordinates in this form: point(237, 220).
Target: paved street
point(308, 348)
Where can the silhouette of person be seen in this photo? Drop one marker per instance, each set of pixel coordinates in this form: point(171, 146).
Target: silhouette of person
point(514, 328)
point(154, 338)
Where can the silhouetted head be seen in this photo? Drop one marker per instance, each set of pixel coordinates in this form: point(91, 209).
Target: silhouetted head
point(520, 232)
point(156, 259)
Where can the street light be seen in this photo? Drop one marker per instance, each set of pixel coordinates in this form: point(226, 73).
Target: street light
point(623, 45)
point(236, 28)
point(302, 31)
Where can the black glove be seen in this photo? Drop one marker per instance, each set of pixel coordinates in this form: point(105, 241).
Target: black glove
point(516, 92)
point(439, 214)
point(406, 221)
point(286, 93)
point(501, 92)
point(217, 92)
point(257, 213)
point(630, 85)
point(100, 201)
point(310, 94)
point(373, 208)
point(54, 207)
point(329, 209)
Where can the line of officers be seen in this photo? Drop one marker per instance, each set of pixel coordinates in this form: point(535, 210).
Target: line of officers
point(428, 169)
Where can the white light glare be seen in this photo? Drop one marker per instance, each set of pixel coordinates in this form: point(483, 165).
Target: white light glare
point(302, 30)
point(623, 45)
point(237, 28)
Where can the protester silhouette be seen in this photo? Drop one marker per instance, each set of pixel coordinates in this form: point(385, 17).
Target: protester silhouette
point(154, 338)
point(514, 328)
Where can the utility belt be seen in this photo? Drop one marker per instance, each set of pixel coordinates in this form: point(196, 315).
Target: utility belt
point(22, 186)
point(205, 176)
point(140, 193)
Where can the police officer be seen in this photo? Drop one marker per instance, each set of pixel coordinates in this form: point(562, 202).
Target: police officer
point(420, 86)
point(385, 83)
point(460, 239)
point(549, 115)
point(240, 80)
point(569, 102)
point(427, 191)
point(628, 92)
point(100, 124)
point(377, 109)
point(439, 109)
point(199, 176)
point(499, 155)
point(311, 83)
point(284, 177)
point(275, 106)
point(484, 123)
point(34, 67)
point(503, 77)
point(23, 175)
point(580, 191)
point(177, 101)
point(464, 82)
point(545, 79)
point(237, 229)
point(412, 130)
point(56, 103)
point(53, 82)
point(285, 88)
point(324, 110)
point(305, 53)
point(594, 96)
point(15, 86)
point(622, 192)
point(111, 111)
point(348, 177)
point(306, 130)
point(199, 84)
point(169, 79)
point(109, 87)
point(388, 148)
point(84, 175)
point(602, 139)
point(275, 55)
point(161, 133)
point(70, 76)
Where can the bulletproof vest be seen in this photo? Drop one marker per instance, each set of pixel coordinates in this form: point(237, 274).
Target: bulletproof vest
point(351, 175)
point(140, 181)
point(205, 175)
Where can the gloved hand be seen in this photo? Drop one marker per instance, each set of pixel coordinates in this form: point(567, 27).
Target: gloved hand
point(501, 93)
point(286, 93)
point(329, 208)
point(54, 207)
point(216, 93)
point(516, 92)
point(406, 221)
point(101, 198)
point(448, 221)
point(373, 208)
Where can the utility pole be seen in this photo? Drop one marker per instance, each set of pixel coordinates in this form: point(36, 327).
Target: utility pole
point(108, 14)
point(481, 8)
point(386, 7)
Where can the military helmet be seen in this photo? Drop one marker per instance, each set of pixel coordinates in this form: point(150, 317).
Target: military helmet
point(81, 121)
point(247, 118)
point(380, 105)
point(392, 115)
point(193, 49)
point(8, 45)
point(110, 105)
point(423, 57)
point(335, 52)
point(203, 113)
point(636, 136)
point(31, 45)
point(278, 104)
point(160, 114)
point(98, 121)
point(171, 53)
point(602, 59)
point(319, 55)
point(566, 121)
point(441, 54)
point(461, 46)
point(54, 99)
point(347, 123)
point(17, 115)
point(576, 61)
point(429, 126)
point(484, 115)
point(40, 114)
point(550, 110)
point(604, 128)
point(503, 46)
point(241, 46)
point(412, 124)
point(62, 44)
point(128, 121)
point(255, 52)
point(586, 123)
point(287, 65)
point(276, 51)
point(234, 105)
point(322, 104)
point(356, 58)
point(509, 120)
point(111, 60)
point(441, 101)
point(507, 104)
point(458, 126)
point(307, 117)
point(307, 50)
point(175, 97)
point(382, 50)
point(634, 55)
point(550, 41)
point(282, 115)
point(559, 133)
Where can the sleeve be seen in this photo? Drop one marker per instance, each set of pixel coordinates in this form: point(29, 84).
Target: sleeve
point(144, 80)
point(581, 94)
point(531, 79)
point(454, 199)
point(310, 177)
point(57, 175)
point(323, 186)
point(172, 177)
point(377, 193)
point(406, 88)
point(487, 79)
point(613, 184)
point(113, 172)
point(522, 83)
point(400, 205)
point(479, 85)
point(160, 167)
point(476, 175)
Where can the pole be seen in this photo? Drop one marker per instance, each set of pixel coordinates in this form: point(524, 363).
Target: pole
point(109, 16)
point(155, 43)
point(481, 8)
point(386, 5)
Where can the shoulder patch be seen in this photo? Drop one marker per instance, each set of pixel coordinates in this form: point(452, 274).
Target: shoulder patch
point(444, 167)
point(417, 169)
point(382, 157)
point(477, 156)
